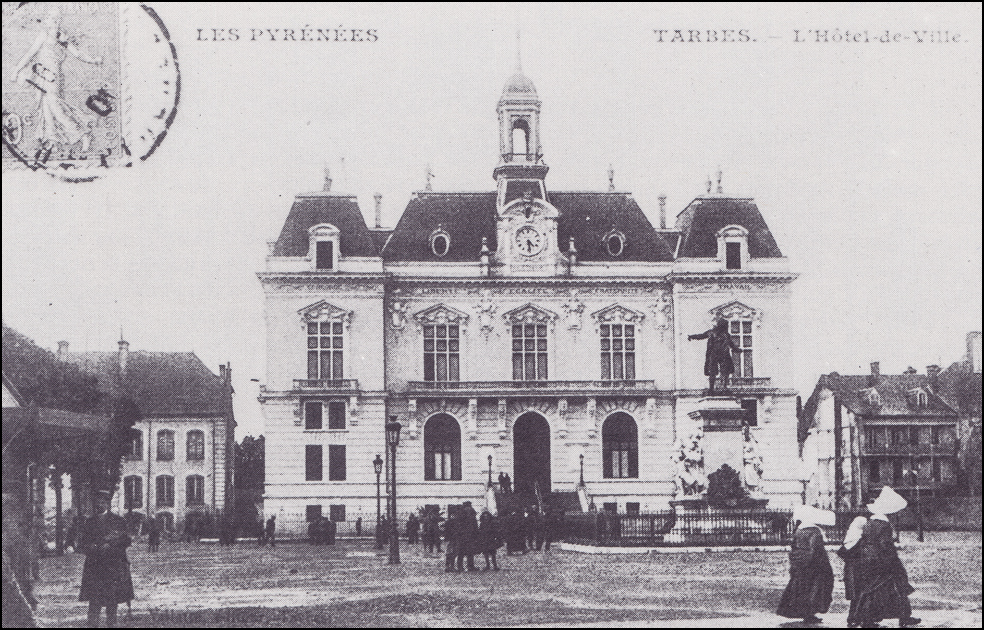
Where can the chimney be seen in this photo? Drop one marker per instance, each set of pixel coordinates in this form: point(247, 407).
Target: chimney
point(571, 256)
point(379, 209)
point(662, 212)
point(875, 373)
point(327, 184)
point(222, 373)
point(62, 349)
point(974, 351)
point(933, 372)
point(228, 373)
point(124, 355)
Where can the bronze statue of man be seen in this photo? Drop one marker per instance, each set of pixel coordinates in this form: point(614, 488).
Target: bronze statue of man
point(717, 358)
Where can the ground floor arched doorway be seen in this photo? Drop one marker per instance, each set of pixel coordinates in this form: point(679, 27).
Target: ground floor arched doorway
point(531, 454)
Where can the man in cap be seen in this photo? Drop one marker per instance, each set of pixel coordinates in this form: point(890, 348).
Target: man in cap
point(106, 580)
point(883, 587)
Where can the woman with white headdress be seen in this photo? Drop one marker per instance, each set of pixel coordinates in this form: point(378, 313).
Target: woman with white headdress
point(849, 553)
point(882, 584)
point(811, 579)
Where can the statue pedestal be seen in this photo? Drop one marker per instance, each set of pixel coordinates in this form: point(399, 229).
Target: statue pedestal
point(700, 524)
point(722, 418)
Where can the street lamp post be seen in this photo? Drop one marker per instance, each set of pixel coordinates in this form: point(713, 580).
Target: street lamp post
point(392, 441)
point(919, 522)
point(377, 464)
point(582, 469)
point(490, 471)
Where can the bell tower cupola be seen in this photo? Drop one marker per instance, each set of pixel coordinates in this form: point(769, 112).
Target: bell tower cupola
point(521, 169)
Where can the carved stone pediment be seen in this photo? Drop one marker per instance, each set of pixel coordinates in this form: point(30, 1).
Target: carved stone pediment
point(441, 314)
point(616, 313)
point(735, 310)
point(530, 314)
point(324, 311)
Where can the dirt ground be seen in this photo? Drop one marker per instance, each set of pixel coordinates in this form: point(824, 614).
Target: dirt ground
point(298, 585)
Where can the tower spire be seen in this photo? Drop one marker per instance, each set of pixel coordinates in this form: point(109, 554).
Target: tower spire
point(519, 52)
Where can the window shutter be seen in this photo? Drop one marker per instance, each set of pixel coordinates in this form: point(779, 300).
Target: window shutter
point(312, 463)
point(336, 462)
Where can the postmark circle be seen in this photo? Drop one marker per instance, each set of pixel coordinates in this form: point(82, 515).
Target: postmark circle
point(87, 86)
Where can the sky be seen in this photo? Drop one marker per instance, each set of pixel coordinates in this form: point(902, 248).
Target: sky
point(864, 158)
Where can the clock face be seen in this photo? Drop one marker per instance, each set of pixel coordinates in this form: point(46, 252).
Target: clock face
point(529, 241)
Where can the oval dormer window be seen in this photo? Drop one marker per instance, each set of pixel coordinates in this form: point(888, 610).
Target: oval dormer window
point(440, 242)
point(615, 243)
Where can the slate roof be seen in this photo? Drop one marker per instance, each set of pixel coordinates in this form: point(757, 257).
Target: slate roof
point(589, 217)
point(161, 384)
point(705, 216)
point(342, 211)
point(467, 217)
point(960, 386)
point(893, 391)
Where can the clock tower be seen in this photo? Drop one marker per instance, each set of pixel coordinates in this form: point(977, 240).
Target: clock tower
point(527, 222)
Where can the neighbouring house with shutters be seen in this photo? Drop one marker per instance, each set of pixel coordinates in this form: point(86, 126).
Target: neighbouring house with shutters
point(522, 330)
point(179, 463)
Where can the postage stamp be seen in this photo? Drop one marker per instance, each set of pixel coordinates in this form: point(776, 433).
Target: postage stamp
point(71, 104)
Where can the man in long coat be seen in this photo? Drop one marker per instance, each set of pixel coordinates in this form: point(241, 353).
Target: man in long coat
point(469, 537)
point(882, 584)
point(811, 579)
point(106, 580)
point(717, 357)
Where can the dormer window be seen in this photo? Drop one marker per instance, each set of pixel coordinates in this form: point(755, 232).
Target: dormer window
point(615, 243)
point(323, 247)
point(919, 397)
point(871, 396)
point(440, 243)
point(733, 247)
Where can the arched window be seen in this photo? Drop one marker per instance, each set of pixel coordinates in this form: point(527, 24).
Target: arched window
point(442, 449)
point(166, 519)
point(165, 491)
point(520, 137)
point(132, 492)
point(165, 445)
point(195, 490)
point(134, 448)
point(620, 447)
point(196, 445)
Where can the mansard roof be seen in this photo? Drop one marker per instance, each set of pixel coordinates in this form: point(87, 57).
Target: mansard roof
point(700, 222)
point(342, 211)
point(162, 384)
point(467, 217)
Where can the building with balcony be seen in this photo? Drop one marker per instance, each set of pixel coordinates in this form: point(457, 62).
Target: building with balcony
point(519, 330)
point(180, 461)
point(860, 433)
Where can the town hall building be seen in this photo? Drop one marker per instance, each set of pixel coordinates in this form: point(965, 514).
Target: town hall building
point(520, 330)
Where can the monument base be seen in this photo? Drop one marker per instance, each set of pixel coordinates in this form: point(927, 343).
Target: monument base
point(699, 523)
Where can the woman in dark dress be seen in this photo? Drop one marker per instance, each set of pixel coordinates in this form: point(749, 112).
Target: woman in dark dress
point(106, 578)
point(882, 584)
point(811, 579)
point(849, 553)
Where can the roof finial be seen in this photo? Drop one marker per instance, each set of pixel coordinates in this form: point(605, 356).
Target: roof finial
point(430, 175)
point(611, 178)
point(710, 185)
point(327, 185)
point(720, 190)
point(519, 54)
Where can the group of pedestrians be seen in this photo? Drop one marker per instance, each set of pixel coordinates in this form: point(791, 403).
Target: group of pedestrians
point(875, 582)
point(321, 531)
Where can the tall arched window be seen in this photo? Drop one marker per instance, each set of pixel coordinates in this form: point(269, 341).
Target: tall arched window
point(195, 490)
point(520, 137)
point(132, 492)
point(196, 445)
point(165, 445)
point(620, 447)
point(165, 491)
point(442, 449)
point(134, 448)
